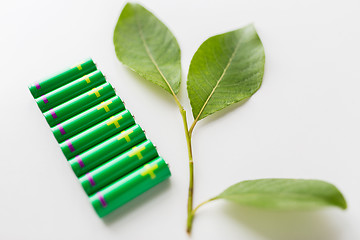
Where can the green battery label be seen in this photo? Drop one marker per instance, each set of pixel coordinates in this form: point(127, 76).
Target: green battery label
point(96, 134)
point(118, 167)
point(70, 90)
point(130, 186)
point(106, 150)
point(40, 88)
point(88, 118)
point(76, 105)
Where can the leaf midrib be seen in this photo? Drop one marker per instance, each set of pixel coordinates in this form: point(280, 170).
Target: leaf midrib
point(150, 55)
point(218, 82)
point(299, 196)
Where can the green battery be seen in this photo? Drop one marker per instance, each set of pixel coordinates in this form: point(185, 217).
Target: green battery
point(88, 118)
point(117, 167)
point(70, 90)
point(106, 150)
point(40, 88)
point(130, 186)
point(96, 134)
point(76, 105)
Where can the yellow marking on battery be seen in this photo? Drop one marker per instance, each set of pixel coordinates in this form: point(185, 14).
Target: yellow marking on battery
point(149, 170)
point(104, 105)
point(137, 151)
point(87, 79)
point(79, 67)
point(114, 120)
point(125, 135)
point(96, 91)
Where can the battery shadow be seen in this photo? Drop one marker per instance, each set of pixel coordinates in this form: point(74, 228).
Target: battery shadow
point(137, 204)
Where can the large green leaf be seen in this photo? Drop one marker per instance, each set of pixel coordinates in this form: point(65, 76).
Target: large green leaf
point(284, 194)
point(226, 68)
point(145, 45)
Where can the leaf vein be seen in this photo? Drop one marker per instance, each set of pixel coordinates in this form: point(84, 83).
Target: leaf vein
point(218, 82)
point(147, 49)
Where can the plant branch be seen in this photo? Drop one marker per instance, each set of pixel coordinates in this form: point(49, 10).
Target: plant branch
point(191, 163)
point(189, 147)
point(183, 115)
point(186, 128)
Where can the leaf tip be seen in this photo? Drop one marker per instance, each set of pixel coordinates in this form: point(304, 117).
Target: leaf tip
point(342, 203)
point(338, 199)
point(131, 4)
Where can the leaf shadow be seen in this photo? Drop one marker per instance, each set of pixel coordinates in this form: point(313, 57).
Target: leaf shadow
point(182, 94)
point(225, 111)
point(137, 204)
point(278, 225)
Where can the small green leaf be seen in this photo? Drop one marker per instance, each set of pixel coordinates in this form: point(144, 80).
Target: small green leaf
point(226, 68)
point(284, 194)
point(146, 45)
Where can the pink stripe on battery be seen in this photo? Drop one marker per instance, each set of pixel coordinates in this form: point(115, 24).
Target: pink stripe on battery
point(90, 178)
point(61, 129)
point(71, 147)
point(102, 199)
point(44, 99)
point(53, 114)
point(37, 85)
point(80, 161)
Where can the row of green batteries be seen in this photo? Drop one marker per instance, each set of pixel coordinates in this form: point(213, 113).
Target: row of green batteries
point(106, 149)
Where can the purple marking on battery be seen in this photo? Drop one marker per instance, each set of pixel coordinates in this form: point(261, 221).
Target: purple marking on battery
point(90, 178)
point(80, 161)
point(61, 129)
point(71, 147)
point(37, 85)
point(102, 199)
point(44, 99)
point(53, 114)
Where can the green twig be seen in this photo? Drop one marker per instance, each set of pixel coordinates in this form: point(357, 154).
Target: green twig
point(191, 163)
point(191, 168)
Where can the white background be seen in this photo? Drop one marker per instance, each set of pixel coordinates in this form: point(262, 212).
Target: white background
point(302, 123)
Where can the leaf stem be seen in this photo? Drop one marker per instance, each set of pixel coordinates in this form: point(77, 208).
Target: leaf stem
point(192, 214)
point(192, 127)
point(203, 203)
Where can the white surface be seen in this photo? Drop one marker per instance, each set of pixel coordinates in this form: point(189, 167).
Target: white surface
point(302, 123)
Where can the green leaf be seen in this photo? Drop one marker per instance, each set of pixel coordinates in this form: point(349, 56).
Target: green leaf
point(145, 45)
point(226, 69)
point(284, 194)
